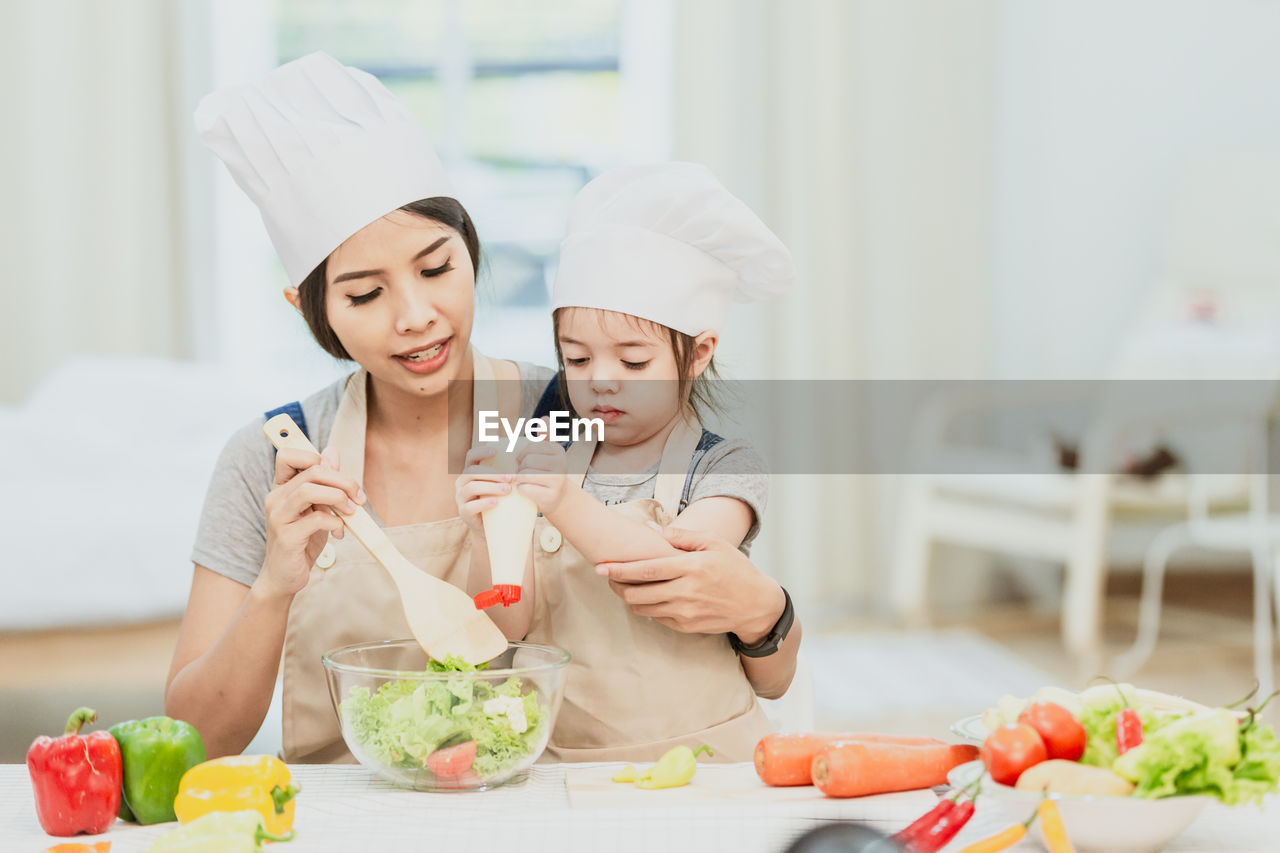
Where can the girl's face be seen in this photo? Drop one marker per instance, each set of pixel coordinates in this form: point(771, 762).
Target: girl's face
point(400, 296)
point(619, 370)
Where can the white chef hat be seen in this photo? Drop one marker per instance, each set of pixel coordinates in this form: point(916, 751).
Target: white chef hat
point(323, 150)
point(667, 242)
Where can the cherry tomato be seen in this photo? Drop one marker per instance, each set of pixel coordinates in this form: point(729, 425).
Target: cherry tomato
point(451, 762)
point(1011, 749)
point(1061, 732)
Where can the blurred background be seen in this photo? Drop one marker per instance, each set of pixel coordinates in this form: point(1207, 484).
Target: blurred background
point(972, 189)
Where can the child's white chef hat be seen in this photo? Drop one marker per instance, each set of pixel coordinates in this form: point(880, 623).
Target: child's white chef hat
point(323, 150)
point(668, 243)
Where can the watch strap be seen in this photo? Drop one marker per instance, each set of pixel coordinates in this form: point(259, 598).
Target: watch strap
point(776, 634)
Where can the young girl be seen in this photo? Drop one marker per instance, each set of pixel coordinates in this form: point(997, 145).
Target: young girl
point(653, 256)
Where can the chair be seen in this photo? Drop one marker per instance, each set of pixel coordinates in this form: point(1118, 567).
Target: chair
point(1215, 316)
point(1056, 516)
point(1255, 532)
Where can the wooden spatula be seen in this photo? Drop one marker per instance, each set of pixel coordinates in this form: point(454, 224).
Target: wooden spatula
point(442, 617)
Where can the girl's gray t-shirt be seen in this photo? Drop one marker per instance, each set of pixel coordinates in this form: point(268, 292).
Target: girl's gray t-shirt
point(731, 468)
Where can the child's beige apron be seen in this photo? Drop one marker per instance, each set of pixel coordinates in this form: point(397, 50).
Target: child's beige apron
point(634, 687)
point(349, 597)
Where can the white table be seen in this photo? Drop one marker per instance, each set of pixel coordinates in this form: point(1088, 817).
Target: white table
point(345, 808)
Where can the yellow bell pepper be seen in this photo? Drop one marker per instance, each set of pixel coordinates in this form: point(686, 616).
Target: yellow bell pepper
point(237, 782)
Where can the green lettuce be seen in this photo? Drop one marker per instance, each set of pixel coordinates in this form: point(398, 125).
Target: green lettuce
point(1099, 721)
point(403, 722)
point(1258, 772)
point(1208, 752)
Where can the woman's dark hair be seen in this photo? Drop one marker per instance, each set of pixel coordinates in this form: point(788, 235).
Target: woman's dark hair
point(697, 392)
point(311, 293)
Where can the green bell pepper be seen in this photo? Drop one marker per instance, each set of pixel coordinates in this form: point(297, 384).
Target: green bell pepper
point(156, 752)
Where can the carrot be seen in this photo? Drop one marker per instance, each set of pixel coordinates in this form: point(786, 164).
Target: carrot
point(853, 768)
point(785, 758)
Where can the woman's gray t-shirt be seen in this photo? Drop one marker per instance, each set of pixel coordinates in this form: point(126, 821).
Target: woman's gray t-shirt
point(232, 537)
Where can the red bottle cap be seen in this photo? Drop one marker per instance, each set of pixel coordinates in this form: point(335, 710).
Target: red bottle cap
point(505, 594)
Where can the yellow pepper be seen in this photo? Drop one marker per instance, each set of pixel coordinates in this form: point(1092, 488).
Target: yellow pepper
point(626, 774)
point(1012, 835)
point(999, 841)
point(1055, 834)
point(674, 769)
point(236, 782)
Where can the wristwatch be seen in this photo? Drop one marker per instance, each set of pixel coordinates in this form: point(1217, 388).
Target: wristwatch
point(777, 633)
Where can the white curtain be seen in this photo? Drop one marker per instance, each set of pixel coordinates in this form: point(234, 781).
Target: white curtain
point(94, 238)
point(862, 132)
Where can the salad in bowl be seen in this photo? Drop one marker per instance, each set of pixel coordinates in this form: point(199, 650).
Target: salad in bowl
point(445, 725)
point(1129, 768)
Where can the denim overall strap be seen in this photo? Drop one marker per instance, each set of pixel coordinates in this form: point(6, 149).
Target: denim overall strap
point(708, 440)
point(549, 401)
point(293, 410)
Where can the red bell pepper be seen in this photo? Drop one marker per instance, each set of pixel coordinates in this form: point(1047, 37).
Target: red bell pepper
point(76, 778)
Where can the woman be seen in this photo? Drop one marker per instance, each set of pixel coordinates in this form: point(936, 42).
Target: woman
point(381, 261)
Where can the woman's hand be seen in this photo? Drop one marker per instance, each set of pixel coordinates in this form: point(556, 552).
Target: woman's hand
point(544, 474)
point(707, 587)
point(308, 486)
point(478, 488)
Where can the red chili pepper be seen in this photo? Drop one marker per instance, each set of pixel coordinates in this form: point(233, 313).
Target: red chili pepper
point(76, 778)
point(1128, 730)
point(908, 838)
point(931, 832)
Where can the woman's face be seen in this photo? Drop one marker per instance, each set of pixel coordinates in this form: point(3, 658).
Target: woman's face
point(620, 371)
point(400, 296)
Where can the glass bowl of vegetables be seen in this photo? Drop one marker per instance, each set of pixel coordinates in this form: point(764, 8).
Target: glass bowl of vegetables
point(445, 725)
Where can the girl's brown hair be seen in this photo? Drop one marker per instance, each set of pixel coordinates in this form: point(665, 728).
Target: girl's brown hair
point(311, 293)
point(695, 391)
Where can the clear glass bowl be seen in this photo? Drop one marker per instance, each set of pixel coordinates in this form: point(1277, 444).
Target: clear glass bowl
point(445, 731)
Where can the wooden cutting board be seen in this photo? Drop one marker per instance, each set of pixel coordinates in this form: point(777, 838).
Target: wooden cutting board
point(737, 784)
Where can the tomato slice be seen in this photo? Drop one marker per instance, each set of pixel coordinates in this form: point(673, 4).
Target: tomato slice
point(452, 761)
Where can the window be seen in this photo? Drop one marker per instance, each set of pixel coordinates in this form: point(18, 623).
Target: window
point(524, 100)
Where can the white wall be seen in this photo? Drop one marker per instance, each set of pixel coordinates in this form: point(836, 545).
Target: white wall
point(1102, 105)
point(90, 214)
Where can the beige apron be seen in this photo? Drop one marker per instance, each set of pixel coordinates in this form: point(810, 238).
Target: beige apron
point(635, 688)
point(349, 597)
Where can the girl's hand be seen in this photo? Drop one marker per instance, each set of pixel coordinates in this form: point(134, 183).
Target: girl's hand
point(544, 474)
point(299, 518)
point(478, 488)
point(707, 587)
